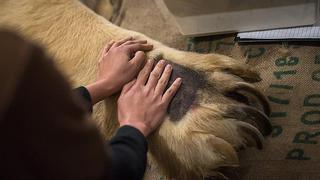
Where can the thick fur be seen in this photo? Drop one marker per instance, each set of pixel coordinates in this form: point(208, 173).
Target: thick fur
point(205, 138)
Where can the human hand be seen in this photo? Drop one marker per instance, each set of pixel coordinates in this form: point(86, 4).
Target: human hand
point(120, 62)
point(143, 102)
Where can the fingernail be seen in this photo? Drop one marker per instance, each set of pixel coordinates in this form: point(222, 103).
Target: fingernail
point(179, 80)
point(162, 61)
point(169, 66)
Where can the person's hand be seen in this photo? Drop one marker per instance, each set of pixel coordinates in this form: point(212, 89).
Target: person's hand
point(143, 102)
point(120, 62)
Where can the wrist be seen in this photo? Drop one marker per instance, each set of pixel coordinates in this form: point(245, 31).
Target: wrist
point(139, 126)
point(99, 90)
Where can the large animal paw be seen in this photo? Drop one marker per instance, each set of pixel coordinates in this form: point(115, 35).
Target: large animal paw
point(215, 113)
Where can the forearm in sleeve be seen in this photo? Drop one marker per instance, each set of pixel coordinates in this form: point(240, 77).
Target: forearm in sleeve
point(128, 154)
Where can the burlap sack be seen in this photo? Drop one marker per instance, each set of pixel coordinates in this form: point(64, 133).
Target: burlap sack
point(291, 82)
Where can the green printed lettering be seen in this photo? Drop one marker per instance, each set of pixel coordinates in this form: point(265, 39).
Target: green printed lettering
point(221, 43)
point(189, 46)
point(310, 121)
point(281, 86)
point(276, 131)
point(293, 61)
point(254, 53)
point(278, 114)
point(315, 97)
point(317, 59)
point(200, 50)
point(278, 101)
point(280, 61)
point(316, 75)
point(305, 137)
point(297, 154)
point(290, 61)
point(280, 74)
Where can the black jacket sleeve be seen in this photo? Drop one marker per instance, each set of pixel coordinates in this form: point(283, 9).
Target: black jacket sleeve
point(128, 154)
point(128, 148)
point(84, 93)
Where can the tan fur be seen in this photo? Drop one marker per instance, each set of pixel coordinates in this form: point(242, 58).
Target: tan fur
point(74, 36)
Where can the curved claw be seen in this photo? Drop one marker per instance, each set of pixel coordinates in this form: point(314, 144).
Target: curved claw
point(252, 116)
point(251, 134)
point(242, 86)
point(225, 150)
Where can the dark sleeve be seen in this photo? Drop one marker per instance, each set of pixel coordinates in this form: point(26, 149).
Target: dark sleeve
point(84, 93)
point(128, 148)
point(128, 154)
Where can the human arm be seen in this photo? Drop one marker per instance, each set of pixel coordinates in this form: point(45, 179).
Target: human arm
point(128, 152)
point(127, 149)
point(141, 109)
